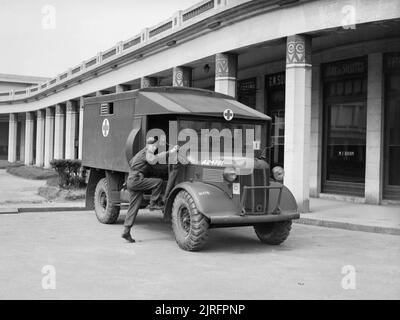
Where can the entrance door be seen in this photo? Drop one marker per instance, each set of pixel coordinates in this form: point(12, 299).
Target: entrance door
point(345, 146)
point(345, 122)
point(392, 137)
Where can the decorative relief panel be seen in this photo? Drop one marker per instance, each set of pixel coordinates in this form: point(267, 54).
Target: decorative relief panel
point(182, 77)
point(298, 50)
point(225, 65)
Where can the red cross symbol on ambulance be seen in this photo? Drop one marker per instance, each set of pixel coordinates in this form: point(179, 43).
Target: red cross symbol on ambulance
point(105, 128)
point(228, 114)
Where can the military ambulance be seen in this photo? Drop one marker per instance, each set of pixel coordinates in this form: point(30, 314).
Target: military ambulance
point(232, 190)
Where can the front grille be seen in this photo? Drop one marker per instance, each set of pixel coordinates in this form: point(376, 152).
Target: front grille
point(213, 175)
point(257, 199)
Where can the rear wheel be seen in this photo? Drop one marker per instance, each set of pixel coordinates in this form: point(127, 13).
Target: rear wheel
point(106, 212)
point(274, 232)
point(189, 225)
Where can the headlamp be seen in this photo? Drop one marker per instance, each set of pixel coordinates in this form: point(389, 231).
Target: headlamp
point(278, 173)
point(230, 174)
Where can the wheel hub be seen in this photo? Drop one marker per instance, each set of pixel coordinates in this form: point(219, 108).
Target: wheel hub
point(184, 218)
point(103, 200)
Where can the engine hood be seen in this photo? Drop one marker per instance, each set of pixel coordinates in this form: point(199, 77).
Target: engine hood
point(243, 165)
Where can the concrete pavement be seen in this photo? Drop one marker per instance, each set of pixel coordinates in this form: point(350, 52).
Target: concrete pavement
point(18, 190)
point(353, 216)
point(19, 195)
point(92, 261)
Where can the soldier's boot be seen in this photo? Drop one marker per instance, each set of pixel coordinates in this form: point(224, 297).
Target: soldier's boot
point(127, 235)
point(155, 206)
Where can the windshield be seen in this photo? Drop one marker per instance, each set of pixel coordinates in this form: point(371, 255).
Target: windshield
point(221, 139)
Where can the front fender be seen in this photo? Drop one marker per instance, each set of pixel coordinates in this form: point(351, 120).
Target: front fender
point(287, 202)
point(208, 198)
point(222, 211)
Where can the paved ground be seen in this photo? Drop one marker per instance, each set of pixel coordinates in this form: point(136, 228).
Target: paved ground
point(91, 261)
point(18, 190)
point(354, 216)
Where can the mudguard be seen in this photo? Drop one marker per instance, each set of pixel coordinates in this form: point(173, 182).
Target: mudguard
point(208, 198)
point(287, 202)
point(222, 211)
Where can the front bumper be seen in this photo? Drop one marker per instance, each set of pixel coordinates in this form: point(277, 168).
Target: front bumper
point(229, 219)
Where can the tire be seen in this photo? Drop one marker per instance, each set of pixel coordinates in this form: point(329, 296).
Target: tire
point(273, 233)
point(189, 225)
point(106, 212)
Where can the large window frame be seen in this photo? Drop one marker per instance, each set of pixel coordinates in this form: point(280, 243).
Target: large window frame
point(356, 97)
point(391, 68)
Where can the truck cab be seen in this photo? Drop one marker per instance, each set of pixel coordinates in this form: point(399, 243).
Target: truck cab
point(223, 175)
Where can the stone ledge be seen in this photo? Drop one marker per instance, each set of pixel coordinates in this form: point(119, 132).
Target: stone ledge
point(348, 226)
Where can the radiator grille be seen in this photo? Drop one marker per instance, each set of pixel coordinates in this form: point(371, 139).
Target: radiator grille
point(256, 200)
point(213, 175)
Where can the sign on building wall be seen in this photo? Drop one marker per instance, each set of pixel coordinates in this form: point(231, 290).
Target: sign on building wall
point(345, 68)
point(392, 61)
point(276, 80)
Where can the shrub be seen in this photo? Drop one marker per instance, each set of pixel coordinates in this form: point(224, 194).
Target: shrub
point(70, 173)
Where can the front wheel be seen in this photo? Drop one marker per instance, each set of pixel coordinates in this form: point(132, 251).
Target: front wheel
point(273, 232)
point(106, 211)
point(189, 225)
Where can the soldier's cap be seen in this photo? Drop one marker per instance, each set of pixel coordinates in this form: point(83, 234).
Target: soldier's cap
point(152, 140)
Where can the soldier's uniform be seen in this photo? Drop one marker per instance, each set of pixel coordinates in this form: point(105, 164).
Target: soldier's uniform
point(137, 183)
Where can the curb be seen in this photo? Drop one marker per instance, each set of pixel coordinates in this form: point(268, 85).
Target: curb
point(40, 209)
point(51, 209)
point(8, 210)
point(348, 226)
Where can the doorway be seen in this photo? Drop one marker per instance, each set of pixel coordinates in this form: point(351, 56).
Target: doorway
point(391, 186)
point(345, 114)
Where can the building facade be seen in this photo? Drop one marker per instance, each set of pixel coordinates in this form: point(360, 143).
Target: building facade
point(8, 84)
point(327, 72)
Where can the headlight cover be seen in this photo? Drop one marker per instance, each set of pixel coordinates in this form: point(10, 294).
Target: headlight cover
point(230, 174)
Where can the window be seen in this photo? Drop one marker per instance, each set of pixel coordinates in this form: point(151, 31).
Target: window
point(345, 84)
point(107, 109)
point(247, 92)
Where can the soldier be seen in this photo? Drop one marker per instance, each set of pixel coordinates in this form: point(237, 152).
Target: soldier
point(138, 183)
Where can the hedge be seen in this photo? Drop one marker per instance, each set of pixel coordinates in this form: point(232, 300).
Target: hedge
point(70, 173)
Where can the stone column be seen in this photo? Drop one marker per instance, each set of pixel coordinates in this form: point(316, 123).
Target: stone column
point(298, 118)
point(147, 82)
point(316, 133)
point(49, 137)
point(182, 77)
point(226, 65)
point(12, 137)
point(29, 131)
point(59, 132)
point(80, 146)
point(40, 130)
point(375, 115)
point(22, 141)
point(70, 129)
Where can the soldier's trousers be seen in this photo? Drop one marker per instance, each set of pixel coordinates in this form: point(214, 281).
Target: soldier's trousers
point(137, 185)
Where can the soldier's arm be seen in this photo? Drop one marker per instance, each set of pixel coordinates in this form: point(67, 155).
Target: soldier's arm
point(154, 158)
